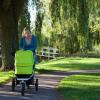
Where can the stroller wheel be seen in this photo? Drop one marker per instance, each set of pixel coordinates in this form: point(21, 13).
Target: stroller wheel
point(36, 85)
point(32, 81)
point(23, 89)
point(13, 84)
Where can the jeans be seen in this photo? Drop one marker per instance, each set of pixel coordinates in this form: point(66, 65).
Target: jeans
point(34, 55)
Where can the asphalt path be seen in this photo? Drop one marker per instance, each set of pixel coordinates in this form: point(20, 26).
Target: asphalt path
point(48, 83)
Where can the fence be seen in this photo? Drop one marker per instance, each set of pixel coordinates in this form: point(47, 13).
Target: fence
point(48, 52)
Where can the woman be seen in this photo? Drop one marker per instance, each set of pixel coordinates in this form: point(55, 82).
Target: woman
point(28, 42)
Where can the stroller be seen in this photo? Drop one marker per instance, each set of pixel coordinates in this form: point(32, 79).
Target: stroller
point(24, 72)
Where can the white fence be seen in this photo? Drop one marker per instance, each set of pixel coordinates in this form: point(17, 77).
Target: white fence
point(48, 52)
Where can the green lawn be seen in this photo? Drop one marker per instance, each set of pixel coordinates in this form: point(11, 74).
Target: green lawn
point(76, 87)
point(5, 76)
point(80, 87)
point(67, 64)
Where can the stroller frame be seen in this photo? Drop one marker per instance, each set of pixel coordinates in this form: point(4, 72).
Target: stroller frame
point(24, 81)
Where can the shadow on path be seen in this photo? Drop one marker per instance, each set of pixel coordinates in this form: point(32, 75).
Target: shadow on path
point(44, 93)
point(47, 84)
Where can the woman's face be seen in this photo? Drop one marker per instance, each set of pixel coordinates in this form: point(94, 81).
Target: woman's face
point(27, 33)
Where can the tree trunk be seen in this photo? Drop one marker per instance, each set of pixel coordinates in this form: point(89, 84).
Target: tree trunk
point(9, 15)
point(9, 39)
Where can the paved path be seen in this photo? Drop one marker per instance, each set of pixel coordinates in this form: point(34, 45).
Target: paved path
point(47, 85)
point(47, 91)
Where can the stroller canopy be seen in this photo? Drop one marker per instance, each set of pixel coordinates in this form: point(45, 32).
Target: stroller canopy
point(24, 61)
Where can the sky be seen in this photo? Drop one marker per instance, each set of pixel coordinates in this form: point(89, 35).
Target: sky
point(32, 11)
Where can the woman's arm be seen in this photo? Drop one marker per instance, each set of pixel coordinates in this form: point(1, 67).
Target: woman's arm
point(34, 47)
point(21, 44)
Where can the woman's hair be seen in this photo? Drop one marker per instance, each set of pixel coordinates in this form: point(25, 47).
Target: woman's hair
point(26, 29)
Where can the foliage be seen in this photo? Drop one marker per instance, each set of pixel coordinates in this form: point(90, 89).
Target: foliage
point(24, 19)
point(79, 11)
point(38, 6)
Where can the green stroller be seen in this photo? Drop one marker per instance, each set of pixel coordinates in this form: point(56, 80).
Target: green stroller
point(24, 72)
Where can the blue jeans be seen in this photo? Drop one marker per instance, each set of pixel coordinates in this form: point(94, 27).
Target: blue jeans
point(34, 54)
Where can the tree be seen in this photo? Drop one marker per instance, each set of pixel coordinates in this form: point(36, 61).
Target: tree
point(24, 19)
point(39, 21)
point(78, 10)
point(9, 15)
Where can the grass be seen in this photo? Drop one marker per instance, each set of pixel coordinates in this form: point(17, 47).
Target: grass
point(75, 87)
point(80, 87)
point(60, 64)
point(5, 76)
point(67, 64)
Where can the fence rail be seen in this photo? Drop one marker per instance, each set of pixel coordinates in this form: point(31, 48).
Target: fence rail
point(48, 52)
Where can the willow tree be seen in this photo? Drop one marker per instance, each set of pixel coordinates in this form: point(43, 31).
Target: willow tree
point(83, 20)
point(77, 10)
point(94, 22)
point(9, 15)
point(39, 20)
point(65, 12)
